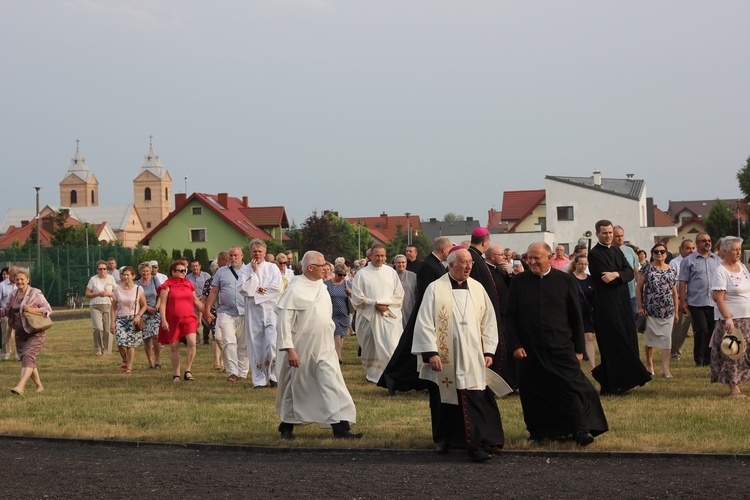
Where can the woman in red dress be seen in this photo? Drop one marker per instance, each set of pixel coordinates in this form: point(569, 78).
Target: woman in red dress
point(178, 320)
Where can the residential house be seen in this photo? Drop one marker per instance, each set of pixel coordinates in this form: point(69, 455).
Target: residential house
point(384, 227)
point(215, 222)
point(456, 230)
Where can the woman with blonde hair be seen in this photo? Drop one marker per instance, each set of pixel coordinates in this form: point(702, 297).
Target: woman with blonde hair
point(26, 299)
point(151, 317)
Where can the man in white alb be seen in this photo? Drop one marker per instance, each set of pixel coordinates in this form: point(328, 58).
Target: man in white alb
point(377, 296)
point(261, 291)
point(311, 386)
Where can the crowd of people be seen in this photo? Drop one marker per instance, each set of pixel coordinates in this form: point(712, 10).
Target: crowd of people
point(468, 323)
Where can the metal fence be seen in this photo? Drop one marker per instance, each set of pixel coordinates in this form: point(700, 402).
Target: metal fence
point(63, 268)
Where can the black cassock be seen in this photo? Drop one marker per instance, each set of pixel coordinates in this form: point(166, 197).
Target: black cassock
point(620, 368)
point(543, 316)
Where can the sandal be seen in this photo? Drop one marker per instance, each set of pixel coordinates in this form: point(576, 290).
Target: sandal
point(17, 391)
point(176, 378)
point(189, 376)
point(157, 366)
point(128, 371)
point(737, 395)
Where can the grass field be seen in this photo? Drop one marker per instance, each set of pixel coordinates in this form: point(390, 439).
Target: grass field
point(88, 397)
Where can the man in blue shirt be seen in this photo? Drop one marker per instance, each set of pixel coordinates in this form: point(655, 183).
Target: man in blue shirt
point(230, 318)
point(697, 272)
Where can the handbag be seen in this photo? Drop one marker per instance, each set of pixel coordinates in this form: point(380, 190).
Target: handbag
point(37, 322)
point(140, 324)
point(589, 307)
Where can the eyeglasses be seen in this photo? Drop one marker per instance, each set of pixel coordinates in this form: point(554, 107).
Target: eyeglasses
point(180, 270)
point(659, 251)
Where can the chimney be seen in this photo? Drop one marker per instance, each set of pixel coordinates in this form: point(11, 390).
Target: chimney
point(244, 201)
point(223, 199)
point(630, 176)
point(597, 178)
point(179, 200)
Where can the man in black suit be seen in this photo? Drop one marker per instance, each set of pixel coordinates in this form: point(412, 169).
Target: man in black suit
point(401, 373)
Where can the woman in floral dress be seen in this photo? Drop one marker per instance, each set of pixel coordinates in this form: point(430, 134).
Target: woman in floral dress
point(656, 296)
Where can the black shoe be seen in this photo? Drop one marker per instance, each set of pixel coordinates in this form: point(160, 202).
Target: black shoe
point(584, 438)
point(273, 383)
point(536, 439)
point(492, 450)
point(479, 455)
point(287, 435)
point(348, 435)
point(442, 447)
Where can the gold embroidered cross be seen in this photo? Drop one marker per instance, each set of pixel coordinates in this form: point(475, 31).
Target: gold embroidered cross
point(447, 382)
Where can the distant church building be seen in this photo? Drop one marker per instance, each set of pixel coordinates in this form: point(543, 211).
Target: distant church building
point(152, 188)
point(79, 193)
point(79, 187)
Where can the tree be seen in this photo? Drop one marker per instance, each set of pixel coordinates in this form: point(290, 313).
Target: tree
point(187, 254)
point(719, 220)
point(333, 236)
point(62, 232)
point(451, 217)
point(743, 176)
point(201, 255)
point(400, 241)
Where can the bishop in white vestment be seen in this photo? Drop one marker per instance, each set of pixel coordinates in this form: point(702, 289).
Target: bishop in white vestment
point(311, 387)
point(456, 336)
point(377, 296)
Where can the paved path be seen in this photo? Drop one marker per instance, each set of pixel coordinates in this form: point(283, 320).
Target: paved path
point(40, 468)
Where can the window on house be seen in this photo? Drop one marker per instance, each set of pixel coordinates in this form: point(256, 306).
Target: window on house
point(542, 223)
point(684, 219)
point(197, 235)
point(73, 197)
point(197, 210)
point(148, 225)
point(147, 194)
point(564, 213)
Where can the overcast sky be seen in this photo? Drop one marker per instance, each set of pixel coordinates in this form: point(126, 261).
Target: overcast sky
point(365, 106)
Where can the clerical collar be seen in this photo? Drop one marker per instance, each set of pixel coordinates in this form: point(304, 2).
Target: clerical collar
point(605, 246)
point(455, 285)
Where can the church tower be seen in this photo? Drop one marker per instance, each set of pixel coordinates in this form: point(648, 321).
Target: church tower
point(79, 187)
point(152, 188)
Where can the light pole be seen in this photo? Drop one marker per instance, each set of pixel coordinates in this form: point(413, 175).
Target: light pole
point(38, 233)
point(88, 267)
point(359, 240)
point(408, 228)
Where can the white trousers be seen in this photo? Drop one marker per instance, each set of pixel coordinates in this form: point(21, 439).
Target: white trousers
point(234, 340)
point(260, 325)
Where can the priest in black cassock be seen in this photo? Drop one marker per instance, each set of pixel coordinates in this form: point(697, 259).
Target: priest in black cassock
point(544, 330)
point(620, 368)
point(480, 242)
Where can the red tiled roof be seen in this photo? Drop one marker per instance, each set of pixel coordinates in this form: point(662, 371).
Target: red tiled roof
point(386, 226)
point(232, 215)
point(266, 216)
point(519, 204)
point(661, 218)
point(21, 234)
point(494, 218)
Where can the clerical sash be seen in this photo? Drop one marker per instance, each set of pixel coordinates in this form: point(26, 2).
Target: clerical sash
point(444, 332)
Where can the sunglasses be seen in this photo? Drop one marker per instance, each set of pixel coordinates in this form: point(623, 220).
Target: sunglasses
point(180, 270)
point(341, 275)
point(659, 252)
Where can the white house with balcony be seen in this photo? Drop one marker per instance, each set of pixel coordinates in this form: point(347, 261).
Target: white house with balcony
point(571, 206)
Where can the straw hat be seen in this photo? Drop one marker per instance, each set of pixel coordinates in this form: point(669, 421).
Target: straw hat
point(733, 344)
